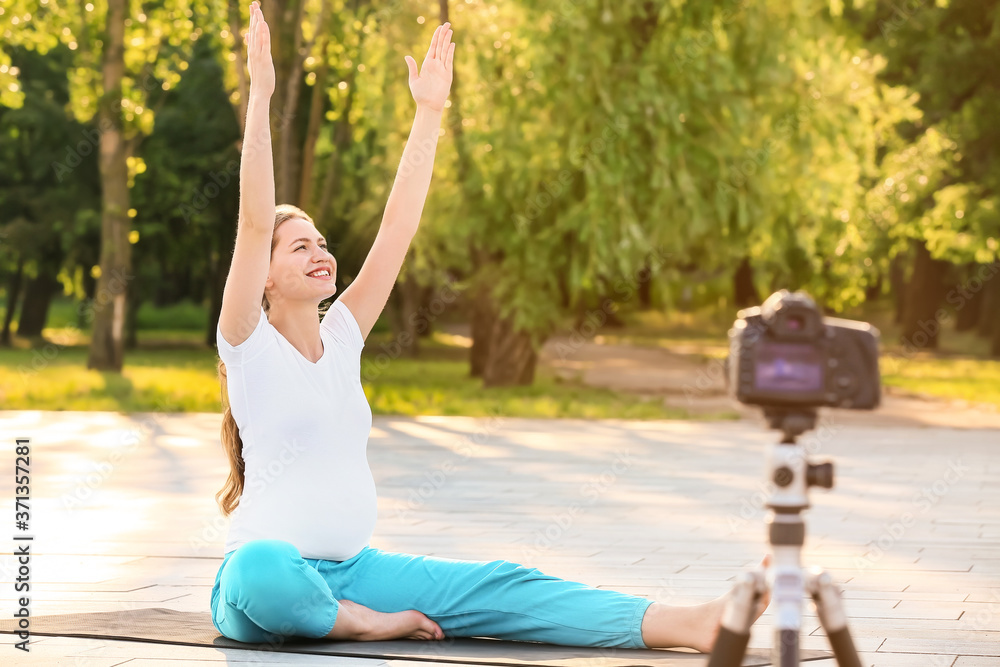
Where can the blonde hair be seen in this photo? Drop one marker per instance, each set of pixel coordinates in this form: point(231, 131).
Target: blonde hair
point(228, 497)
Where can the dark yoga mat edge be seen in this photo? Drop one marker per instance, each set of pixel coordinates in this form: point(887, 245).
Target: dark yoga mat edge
point(148, 620)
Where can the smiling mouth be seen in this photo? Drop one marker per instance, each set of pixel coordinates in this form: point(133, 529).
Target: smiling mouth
point(320, 274)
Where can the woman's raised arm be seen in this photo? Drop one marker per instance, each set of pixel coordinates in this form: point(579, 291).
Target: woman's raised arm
point(367, 295)
point(256, 166)
point(241, 298)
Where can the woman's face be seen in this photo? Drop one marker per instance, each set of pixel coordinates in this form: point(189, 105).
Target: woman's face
point(298, 255)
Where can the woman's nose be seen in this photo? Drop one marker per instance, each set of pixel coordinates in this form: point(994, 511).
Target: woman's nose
point(324, 257)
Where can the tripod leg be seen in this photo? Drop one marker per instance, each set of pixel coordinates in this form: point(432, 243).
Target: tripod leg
point(830, 609)
point(787, 533)
point(731, 644)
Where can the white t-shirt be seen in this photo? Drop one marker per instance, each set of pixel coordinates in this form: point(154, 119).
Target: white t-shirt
point(304, 428)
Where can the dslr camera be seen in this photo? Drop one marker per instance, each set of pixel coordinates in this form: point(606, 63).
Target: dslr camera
point(785, 354)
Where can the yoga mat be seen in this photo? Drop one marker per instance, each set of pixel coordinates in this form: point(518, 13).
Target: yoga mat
point(167, 626)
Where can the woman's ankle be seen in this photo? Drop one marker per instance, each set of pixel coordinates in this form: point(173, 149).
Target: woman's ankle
point(346, 625)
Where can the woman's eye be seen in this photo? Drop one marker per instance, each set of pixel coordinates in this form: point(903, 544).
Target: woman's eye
point(300, 247)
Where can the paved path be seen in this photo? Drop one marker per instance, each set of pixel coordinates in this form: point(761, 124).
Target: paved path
point(124, 514)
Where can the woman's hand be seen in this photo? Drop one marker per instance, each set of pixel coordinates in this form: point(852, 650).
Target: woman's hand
point(259, 54)
point(431, 87)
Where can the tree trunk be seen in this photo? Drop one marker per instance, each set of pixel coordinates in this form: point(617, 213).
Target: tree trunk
point(182, 285)
point(482, 319)
point(108, 336)
point(897, 282)
point(990, 313)
point(341, 142)
point(995, 343)
point(744, 292)
point(13, 294)
point(226, 236)
point(483, 313)
point(925, 292)
point(35, 309)
point(609, 317)
point(279, 14)
point(316, 106)
point(288, 173)
point(199, 286)
point(409, 307)
point(131, 319)
point(969, 300)
point(645, 294)
point(426, 302)
point(512, 357)
point(242, 80)
point(39, 290)
point(83, 314)
point(874, 289)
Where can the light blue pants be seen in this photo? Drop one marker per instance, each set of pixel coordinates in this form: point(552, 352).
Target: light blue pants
point(265, 591)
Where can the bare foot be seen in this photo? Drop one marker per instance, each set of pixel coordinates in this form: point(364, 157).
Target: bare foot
point(359, 623)
point(694, 627)
point(712, 619)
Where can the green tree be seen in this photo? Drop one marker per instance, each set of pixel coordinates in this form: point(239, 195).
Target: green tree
point(612, 140)
point(187, 197)
point(48, 189)
point(938, 195)
point(122, 54)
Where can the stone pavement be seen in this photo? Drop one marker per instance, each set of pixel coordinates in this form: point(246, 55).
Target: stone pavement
point(123, 513)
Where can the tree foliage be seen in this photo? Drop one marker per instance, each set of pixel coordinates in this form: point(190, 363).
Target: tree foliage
point(588, 146)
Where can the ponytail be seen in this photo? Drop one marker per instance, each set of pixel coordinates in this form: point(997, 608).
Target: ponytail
point(228, 497)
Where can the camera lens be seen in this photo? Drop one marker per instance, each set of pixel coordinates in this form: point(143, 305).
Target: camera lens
point(795, 323)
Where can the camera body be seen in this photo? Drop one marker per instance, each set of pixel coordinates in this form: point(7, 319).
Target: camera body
point(786, 354)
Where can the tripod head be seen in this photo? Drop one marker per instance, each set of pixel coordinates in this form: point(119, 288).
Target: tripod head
point(792, 422)
point(789, 469)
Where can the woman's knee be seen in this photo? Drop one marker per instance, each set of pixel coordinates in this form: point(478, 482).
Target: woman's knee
point(269, 583)
point(261, 562)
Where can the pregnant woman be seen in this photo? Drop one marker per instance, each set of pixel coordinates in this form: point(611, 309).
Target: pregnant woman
point(297, 557)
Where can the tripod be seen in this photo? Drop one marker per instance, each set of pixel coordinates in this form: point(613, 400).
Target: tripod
point(791, 475)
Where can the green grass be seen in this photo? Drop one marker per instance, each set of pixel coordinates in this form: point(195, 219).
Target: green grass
point(972, 380)
point(174, 371)
point(443, 387)
point(169, 380)
point(55, 377)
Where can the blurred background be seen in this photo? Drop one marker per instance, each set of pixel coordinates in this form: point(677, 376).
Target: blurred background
point(613, 181)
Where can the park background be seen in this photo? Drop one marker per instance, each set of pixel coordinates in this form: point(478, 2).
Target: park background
point(623, 174)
